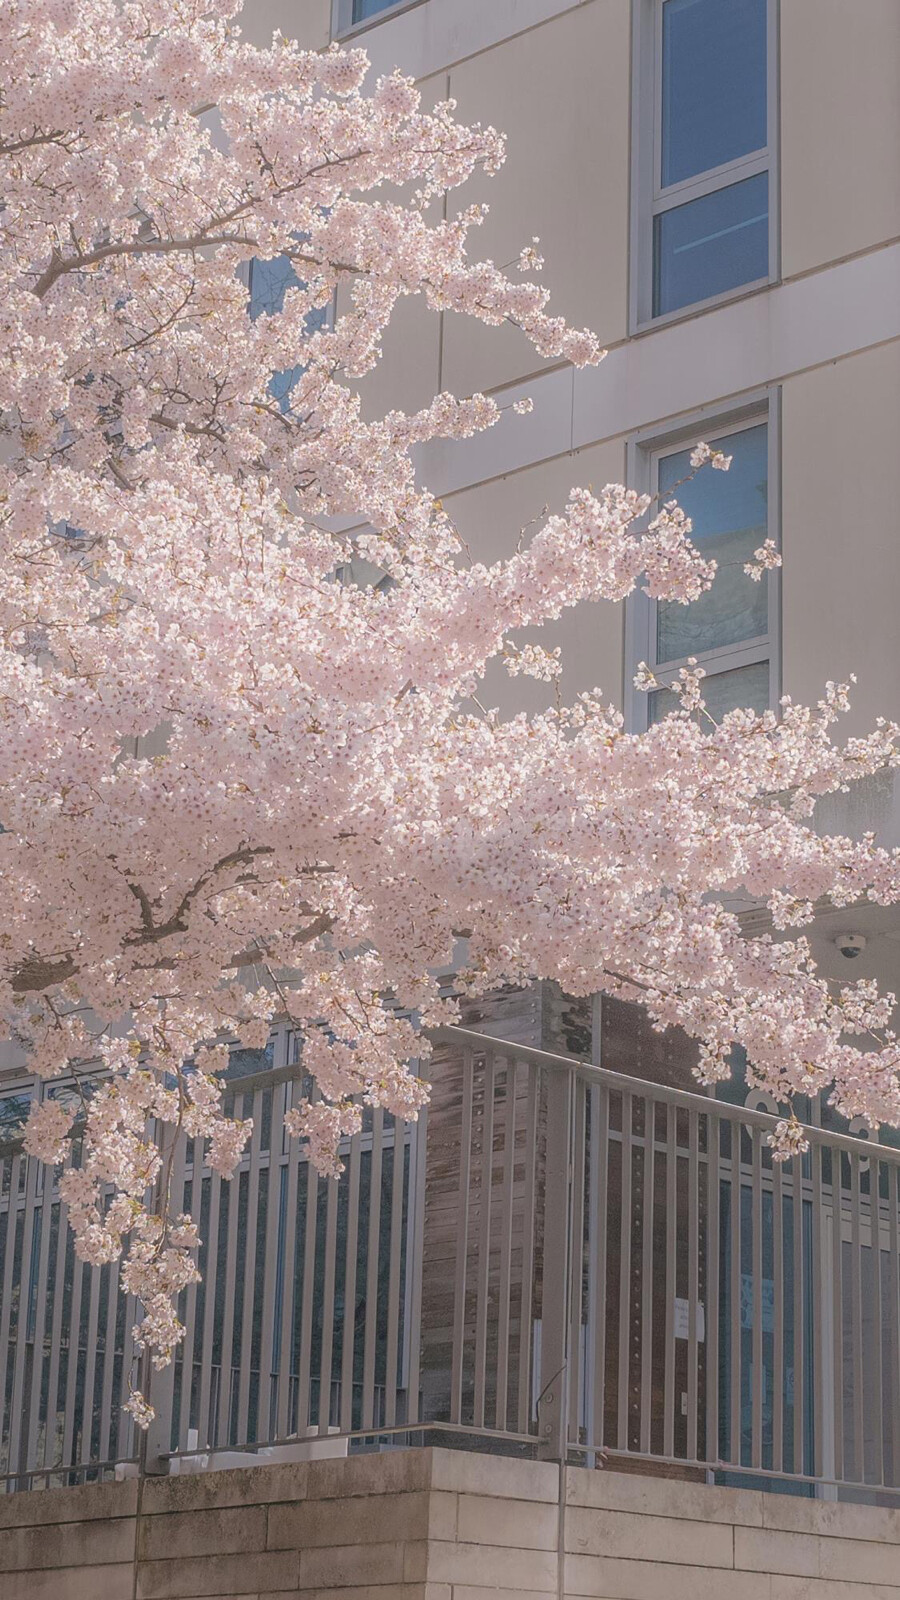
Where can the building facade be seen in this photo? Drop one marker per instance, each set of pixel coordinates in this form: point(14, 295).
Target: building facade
point(716, 190)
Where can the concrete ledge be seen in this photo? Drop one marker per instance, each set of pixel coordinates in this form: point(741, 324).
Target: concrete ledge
point(502, 1477)
point(239, 1486)
point(84, 1502)
point(66, 1544)
point(189, 1578)
point(438, 1524)
point(620, 1533)
point(665, 1497)
point(80, 1583)
point(603, 1577)
point(808, 1555)
point(175, 1535)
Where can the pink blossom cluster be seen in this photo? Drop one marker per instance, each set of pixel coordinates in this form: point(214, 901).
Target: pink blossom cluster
point(232, 784)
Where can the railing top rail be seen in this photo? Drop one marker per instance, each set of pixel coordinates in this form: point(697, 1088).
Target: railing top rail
point(662, 1092)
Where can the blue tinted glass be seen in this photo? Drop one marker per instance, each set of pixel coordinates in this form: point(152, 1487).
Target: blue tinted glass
point(711, 245)
point(744, 687)
point(268, 282)
point(713, 84)
point(728, 512)
point(369, 8)
point(281, 383)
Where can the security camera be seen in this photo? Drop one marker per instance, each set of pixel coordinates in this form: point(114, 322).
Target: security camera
point(850, 945)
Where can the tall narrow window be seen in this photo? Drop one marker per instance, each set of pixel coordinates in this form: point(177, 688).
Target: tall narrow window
point(702, 151)
point(731, 629)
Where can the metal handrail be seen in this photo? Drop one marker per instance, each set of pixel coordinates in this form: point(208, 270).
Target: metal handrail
point(650, 1090)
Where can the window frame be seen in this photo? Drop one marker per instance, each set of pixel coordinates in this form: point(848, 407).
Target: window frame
point(643, 453)
point(649, 199)
point(343, 26)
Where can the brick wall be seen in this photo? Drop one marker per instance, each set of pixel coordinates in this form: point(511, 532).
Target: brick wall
point(438, 1525)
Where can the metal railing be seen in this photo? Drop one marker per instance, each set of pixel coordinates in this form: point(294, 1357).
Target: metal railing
point(556, 1259)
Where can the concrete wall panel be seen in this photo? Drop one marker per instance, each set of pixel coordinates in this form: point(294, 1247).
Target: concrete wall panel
point(840, 115)
point(561, 94)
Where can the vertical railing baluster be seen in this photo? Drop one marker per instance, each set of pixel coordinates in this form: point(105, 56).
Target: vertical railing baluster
point(735, 1374)
point(33, 1171)
point(169, 1197)
point(250, 1251)
point(778, 1317)
point(819, 1383)
point(837, 1302)
point(626, 1230)
point(457, 1356)
point(483, 1269)
point(856, 1318)
point(284, 1409)
point(7, 1348)
point(693, 1280)
point(590, 1386)
point(79, 1273)
point(127, 1446)
point(307, 1304)
point(757, 1314)
point(206, 1422)
point(876, 1409)
point(51, 1437)
point(266, 1410)
point(799, 1318)
point(894, 1316)
point(327, 1351)
point(576, 1263)
point(601, 1260)
point(671, 1280)
point(192, 1332)
point(526, 1298)
point(506, 1222)
point(416, 1260)
point(395, 1245)
point(348, 1337)
point(87, 1413)
point(223, 1421)
point(553, 1382)
point(647, 1278)
point(33, 1406)
point(106, 1448)
point(713, 1257)
point(372, 1254)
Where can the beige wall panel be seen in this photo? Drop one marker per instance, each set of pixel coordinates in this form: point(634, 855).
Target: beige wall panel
point(490, 519)
point(840, 111)
point(407, 375)
point(841, 578)
point(561, 94)
point(308, 21)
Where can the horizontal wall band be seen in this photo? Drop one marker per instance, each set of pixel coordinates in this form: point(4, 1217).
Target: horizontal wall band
point(746, 345)
point(432, 37)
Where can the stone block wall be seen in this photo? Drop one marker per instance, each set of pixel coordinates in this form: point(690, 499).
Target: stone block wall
point(438, 1525)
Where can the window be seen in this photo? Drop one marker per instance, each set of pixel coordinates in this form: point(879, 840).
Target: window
point(269, 282)
point(363, 9)
point(731, 630)
point(347, 14)
point(702, 149)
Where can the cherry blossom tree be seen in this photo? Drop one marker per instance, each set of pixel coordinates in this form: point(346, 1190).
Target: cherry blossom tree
point(232, 785)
